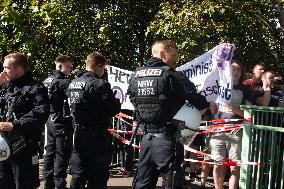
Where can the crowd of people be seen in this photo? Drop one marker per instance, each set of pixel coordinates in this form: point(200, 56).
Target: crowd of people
point(78, 113)
point(258, 90)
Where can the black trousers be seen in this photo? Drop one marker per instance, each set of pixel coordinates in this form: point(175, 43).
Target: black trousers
point(6, 175)
point(57, 156)
point(157, 156)
point(25, 167)
point(90, 160)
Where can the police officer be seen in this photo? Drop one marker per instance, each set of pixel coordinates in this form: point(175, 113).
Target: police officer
point(157, 92)
point(6, 175)
point(59, 125)
point(92, 105)
point(25, 109)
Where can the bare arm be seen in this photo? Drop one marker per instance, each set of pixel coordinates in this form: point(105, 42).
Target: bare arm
point(265, 99)
point(234, 110)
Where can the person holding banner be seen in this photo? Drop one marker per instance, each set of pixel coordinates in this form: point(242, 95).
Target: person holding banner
point(226, 143)
point(157, 92)
point(24, 111)
point(92, 104)
point(59, 125)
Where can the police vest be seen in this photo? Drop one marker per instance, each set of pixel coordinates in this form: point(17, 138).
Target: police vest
point(77, 99)
point(152, 94)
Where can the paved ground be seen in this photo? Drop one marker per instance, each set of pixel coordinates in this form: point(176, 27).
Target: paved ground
point(119, 182)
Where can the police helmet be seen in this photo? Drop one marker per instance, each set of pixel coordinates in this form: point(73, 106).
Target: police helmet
point(188, 120)
point(189, 117)
point(4, 148)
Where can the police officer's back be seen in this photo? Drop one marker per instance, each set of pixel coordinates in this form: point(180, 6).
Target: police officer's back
point(59, 128)
point(92, 105)
point(157, 92)
point(24, 110)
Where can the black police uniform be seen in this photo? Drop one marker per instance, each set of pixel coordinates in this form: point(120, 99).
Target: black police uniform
point(59, 132)
point(157, 93)
point(25, 102)
point(92, 105)
point(6, 175)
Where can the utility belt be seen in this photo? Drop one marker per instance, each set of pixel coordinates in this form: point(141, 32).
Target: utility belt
point(159, 130)
point(165, 136)
point(94, 129)
point(167, 127)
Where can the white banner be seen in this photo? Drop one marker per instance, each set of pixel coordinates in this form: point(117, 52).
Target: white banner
point(118, 79)
point(212, 73)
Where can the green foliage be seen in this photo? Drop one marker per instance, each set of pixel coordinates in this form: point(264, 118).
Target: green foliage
point(198, 26)
point(45, 29)
point(124, 30)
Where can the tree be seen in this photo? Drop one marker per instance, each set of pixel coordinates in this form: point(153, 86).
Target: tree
point(47, 28)
point(197, 26)
point(123, 30)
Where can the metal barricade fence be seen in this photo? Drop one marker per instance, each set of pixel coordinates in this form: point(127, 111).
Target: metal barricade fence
point(119, 148)
point(117, 145)
point(263, 142)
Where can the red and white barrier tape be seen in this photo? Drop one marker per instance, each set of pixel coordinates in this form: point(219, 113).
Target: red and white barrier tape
point(121, 115)
point(223, 121)
point(215, 121)
point(218, 126)
point(187, 148)
point(120, 119)
point(121, 131)
point(225, 163)
point(124, 140)
point(216, 129)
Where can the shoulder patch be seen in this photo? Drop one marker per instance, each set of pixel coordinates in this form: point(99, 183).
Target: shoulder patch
point(149, 72)
point(77, 85)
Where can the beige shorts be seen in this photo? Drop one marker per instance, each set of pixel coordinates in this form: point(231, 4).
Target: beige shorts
point(225, 145)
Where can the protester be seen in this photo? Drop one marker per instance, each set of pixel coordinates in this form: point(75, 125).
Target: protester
point(259, 87)
point(157, 92)
point(223, 143)
point(25, 106)
point(59, 125)
point(92, 105)
point(255, 83)
point(269, 93)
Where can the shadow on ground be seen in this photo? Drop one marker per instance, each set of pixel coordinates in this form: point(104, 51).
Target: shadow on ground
point(121, 182)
